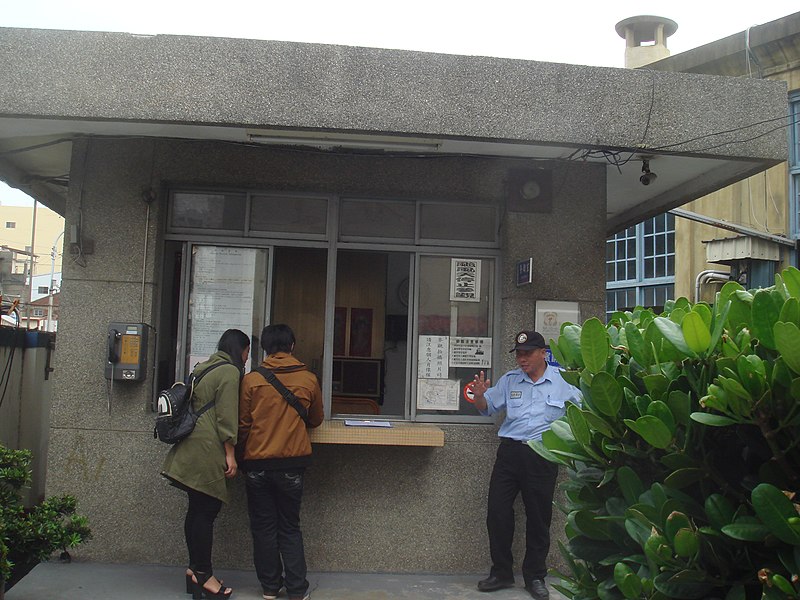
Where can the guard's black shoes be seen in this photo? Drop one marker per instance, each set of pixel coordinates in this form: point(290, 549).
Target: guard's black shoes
point(492, 584)
point(537, 589)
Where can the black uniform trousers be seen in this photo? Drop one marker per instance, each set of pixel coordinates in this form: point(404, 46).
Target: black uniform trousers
point(518, 468)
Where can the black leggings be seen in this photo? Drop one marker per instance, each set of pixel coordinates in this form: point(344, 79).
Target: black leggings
point(199, 529)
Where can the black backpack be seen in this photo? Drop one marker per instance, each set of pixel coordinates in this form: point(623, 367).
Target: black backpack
point(175, 418)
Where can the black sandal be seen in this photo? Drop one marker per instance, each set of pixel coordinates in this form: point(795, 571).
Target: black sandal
point(199, 591)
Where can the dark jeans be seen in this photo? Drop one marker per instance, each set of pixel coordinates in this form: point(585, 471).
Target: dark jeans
point(198, 527)
point(518, 468)
point(273, 503)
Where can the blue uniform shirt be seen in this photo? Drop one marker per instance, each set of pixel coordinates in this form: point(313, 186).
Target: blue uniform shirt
point(531, 406)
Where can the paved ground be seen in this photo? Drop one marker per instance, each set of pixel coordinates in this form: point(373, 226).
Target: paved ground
point(94, 581)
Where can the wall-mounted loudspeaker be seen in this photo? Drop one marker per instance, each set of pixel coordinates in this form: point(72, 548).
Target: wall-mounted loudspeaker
point(530, 190)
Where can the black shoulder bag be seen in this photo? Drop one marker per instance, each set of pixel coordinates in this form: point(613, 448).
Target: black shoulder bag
point(285, 392)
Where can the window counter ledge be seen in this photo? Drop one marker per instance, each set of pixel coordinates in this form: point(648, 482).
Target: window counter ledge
point(401, 433)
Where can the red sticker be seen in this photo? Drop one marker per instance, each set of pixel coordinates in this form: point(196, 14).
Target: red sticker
point(469, 395)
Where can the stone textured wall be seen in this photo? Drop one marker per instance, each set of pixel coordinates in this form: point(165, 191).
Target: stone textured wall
point(366, 508)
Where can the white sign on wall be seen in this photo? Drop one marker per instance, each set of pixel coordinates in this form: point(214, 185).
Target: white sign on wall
point(551, 315)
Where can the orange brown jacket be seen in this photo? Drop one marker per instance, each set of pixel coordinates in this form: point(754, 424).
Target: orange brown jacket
point(271, 433)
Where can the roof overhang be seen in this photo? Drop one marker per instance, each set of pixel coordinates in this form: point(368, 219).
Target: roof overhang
point(699, 133)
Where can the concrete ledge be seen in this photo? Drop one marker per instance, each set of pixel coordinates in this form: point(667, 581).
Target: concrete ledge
point(399, 434)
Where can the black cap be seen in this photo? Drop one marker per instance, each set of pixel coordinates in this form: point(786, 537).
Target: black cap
point(528, 340)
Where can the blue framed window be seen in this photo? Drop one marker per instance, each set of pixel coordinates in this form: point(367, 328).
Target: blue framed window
point(640, 265)
point(794, 163)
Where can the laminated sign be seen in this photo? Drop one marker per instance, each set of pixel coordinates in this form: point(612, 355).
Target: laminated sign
point(465, 280)
point(475, 352)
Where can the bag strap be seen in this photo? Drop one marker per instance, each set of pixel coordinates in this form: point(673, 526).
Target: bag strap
point(285, 392)
point(196, 379)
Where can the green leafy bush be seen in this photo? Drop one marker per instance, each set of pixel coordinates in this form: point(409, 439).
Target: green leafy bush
point(683, 461)
point(30, 535)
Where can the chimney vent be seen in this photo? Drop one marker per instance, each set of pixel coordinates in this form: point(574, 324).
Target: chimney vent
point(650, 31)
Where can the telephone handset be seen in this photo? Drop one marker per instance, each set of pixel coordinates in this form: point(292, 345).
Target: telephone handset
point(113, 340)
point(127, 351)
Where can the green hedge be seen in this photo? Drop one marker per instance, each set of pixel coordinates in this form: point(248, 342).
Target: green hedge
point(683, 460)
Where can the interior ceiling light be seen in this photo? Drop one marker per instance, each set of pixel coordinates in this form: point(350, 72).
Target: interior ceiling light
point(333, 142)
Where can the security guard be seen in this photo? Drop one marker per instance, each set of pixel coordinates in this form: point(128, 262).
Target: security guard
point(532, 396)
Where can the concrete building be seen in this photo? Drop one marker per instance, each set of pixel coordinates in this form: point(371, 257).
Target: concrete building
point(17, 231)
point(747, 231)
point(405, 212)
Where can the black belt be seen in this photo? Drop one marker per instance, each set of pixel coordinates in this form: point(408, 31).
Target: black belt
point(505, 440)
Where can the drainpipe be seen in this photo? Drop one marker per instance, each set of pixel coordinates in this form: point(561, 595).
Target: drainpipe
point(706, 277)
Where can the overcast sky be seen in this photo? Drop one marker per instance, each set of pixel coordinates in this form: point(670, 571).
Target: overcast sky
point(569, 31)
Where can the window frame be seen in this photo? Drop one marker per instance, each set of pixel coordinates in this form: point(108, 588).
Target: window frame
point(794, 164)
point(640, 284)
point(333, 244)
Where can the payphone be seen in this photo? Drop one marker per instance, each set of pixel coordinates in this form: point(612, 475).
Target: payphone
point(127, 351)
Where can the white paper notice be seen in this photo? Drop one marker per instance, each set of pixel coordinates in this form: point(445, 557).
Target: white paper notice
point(550, 316)
point(438, 394)
point(433, 352)
point(471, 352)
point(221, 296)
point(465, 280)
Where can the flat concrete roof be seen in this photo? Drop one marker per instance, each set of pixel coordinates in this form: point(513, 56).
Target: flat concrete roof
point(58, 84)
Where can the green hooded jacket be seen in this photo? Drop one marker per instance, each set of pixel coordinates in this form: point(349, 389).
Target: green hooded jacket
point(198, 461)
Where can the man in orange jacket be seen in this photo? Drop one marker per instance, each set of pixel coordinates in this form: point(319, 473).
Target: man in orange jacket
point(274, 451)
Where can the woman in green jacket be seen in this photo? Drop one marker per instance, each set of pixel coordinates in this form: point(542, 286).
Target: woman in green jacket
point(201, 463)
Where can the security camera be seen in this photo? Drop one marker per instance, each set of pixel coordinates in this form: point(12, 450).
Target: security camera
point(648, 176)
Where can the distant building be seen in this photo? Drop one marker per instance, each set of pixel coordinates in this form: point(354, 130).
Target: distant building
point(747, 231)
point(43, 315)
point(42, 286)
point(16, 232)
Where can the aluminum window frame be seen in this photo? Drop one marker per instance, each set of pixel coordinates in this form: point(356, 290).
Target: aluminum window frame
point(332, 243)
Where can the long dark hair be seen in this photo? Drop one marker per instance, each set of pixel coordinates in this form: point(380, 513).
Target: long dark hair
point(233, 342)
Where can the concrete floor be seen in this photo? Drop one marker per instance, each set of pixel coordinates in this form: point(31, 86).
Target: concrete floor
point(57, 581)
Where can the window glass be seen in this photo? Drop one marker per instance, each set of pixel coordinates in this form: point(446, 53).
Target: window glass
point(11, 224)
point(226, 292)
point(454, 326)
point(299, 279)
point(43, 289)
point(377, 219)
point(208, 211)
point(476, 223)
point(370, 349)
point(654, 241)
point(620, 299)
point(289, 214)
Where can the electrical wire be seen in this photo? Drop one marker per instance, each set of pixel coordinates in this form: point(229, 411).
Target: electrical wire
point(612, 156)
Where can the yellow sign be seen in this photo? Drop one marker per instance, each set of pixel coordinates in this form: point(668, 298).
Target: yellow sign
point(129, 350)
